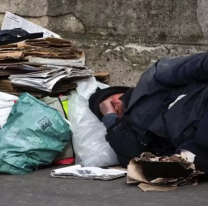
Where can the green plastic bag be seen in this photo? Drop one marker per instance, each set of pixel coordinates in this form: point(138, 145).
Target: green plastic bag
point(33, 136)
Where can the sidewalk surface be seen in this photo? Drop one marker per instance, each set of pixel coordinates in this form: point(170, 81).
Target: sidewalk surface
point(39, 189)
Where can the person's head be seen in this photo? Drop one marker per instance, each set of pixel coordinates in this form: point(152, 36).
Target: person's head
point(111, 96)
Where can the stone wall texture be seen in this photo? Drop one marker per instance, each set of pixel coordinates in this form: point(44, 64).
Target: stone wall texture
point(122, 36)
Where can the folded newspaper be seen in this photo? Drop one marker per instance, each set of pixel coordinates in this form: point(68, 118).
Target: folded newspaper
point(45, 80)
point(79, 172)
point(12, 21)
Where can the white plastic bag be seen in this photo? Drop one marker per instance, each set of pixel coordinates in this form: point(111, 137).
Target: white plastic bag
point(6, 103)
point(90, 146)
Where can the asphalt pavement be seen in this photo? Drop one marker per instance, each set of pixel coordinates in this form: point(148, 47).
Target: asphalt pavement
point(39, 189)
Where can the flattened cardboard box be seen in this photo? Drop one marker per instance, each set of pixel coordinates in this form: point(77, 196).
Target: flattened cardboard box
point(153, 173)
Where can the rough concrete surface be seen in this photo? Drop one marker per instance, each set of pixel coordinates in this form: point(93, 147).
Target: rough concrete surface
point(144, 21)
point(123, 37)
point(127, 61)
point(39, 189)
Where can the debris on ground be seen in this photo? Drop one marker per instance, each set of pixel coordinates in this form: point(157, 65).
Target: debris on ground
point(154, 173)
point(45, 116)
point(33, 135)
point(36, 77)
point(42, 66)
point(80, 172)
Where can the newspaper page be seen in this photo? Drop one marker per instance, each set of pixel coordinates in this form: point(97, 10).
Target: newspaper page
point(12, 21)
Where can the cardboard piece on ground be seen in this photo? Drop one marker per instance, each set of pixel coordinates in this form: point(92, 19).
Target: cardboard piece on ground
point(49, 42)
point(154, 173)
point(146, 188)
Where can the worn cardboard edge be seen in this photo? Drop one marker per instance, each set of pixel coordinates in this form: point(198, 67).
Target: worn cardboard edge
point(147, 187)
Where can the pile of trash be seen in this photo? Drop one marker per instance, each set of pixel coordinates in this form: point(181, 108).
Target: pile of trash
point(39, 65)
point(153, 173)
point(33, 135)
point(42, 79)
point(45, 117)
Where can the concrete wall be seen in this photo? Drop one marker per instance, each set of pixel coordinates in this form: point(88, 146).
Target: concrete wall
point(123, 36)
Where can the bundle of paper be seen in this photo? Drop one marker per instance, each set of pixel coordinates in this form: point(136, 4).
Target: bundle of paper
point(47, 65)
point(43, 48)
point(7, 69)
point(61, 87)
point(154, 173)
point(88, 173)
point(46, 79)
point(42, 63)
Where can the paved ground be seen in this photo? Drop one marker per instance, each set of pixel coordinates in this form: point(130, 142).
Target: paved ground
point(39, 189)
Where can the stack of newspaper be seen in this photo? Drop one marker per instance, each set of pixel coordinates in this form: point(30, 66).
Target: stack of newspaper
point(48, 65)
point(46, 79)
point(42, 63)
point(41, 66)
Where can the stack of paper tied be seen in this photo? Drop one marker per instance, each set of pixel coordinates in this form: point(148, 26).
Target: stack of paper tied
point(88, 173)
point(154, 173)
point(40, 64)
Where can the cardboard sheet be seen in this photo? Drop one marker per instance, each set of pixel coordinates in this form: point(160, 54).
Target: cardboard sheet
point(154, 173)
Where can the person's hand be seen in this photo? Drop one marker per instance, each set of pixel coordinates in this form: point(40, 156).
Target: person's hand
point(106, 107)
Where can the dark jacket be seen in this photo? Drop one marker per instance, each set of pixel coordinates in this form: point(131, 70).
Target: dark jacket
point(148, 122)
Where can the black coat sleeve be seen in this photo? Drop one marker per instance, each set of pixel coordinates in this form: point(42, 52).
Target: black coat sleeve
point(182, 71)
point(124, 142)
point(201, 138)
